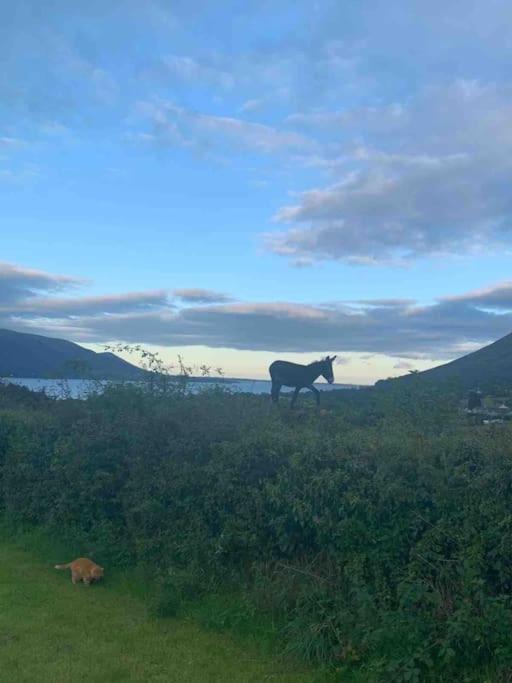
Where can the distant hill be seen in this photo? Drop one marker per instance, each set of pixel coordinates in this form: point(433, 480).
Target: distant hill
point(488, 367)
point(32, 355)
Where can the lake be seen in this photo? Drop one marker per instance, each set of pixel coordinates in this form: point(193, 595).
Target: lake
point(81, 388)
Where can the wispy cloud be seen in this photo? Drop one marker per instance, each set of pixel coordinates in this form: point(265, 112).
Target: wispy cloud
point(378, 303)
point(398, 328)
point(200, 296)
point(251, 105)
point(18, 283)
point(432, 180)
point(45, 307)
point(11, 143)
point(403, 365)
point(495, 297)
point(436, 331)
point(173, 125)
point(195, 72)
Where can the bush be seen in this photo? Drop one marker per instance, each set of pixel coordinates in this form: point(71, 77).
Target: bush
point(379, 533)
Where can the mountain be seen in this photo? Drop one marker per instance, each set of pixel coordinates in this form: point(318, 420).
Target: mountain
point(487, 368)
point(32, 355)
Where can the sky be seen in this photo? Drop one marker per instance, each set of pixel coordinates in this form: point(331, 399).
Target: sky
point(243, 181)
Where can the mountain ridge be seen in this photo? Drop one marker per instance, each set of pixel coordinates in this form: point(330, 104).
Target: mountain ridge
point(23, 354)
point(486, 367)
point(35, 356)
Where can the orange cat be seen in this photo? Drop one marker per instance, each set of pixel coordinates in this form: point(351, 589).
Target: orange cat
point(83, 569)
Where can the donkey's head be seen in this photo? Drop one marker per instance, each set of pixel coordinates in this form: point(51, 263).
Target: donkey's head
point(326, 370)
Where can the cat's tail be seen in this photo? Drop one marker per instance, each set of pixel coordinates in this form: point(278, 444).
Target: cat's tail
point(63, 566)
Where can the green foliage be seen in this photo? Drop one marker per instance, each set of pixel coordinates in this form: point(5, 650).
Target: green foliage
point(376, 534)
point(54, 632)
point(161, 377)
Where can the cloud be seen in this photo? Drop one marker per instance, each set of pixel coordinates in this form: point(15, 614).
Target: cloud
point(192, 71)
point(498, 296)
point(49, 73)
point(18, 283)
point(10, 143)
point(31, 300)
point(251, 105)
point(29, 297)
point(173, 125)
point(437, 331)
point(318, 119)
point(90, 305)
point(385, 302)
point(431, 178)
point(253, 135)
point(200, 296)
point(403, 365)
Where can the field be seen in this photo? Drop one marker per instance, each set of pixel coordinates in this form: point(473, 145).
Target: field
point(54, 632)
point(372, 538)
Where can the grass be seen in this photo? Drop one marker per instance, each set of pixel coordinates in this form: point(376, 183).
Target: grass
point(53, 631)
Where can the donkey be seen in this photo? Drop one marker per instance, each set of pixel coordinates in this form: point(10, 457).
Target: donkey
point(288, 374)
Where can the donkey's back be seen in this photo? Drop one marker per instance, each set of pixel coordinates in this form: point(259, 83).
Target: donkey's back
point(288, 374)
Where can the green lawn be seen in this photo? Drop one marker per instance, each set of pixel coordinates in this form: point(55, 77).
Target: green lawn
point(52, 631)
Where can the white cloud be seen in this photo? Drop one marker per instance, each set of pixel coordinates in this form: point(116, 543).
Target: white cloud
point(496, 297)
point(403, 365)
point(200, 296)
point(53, 307)
point(254, 135)
point(10, 143)
point(432, 177)
point(385, 302)
point(397, 328)
point(18, 283)
point(252, 105)
point(195, 72)
point(176, 125)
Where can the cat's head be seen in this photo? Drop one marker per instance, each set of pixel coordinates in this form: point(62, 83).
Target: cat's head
point(97, 572)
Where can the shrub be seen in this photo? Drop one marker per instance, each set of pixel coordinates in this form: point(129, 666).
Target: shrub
point(379, 534)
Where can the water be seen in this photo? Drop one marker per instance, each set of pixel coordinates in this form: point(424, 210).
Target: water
point(81, 388)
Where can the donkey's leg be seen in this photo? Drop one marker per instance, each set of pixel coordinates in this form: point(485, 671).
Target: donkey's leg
point(276, 388)
point(317, 394)
point(295, 394)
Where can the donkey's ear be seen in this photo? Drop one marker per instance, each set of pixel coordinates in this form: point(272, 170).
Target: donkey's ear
point(333, 358)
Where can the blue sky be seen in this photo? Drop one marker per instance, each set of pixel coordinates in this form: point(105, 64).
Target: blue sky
point(243, 181)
